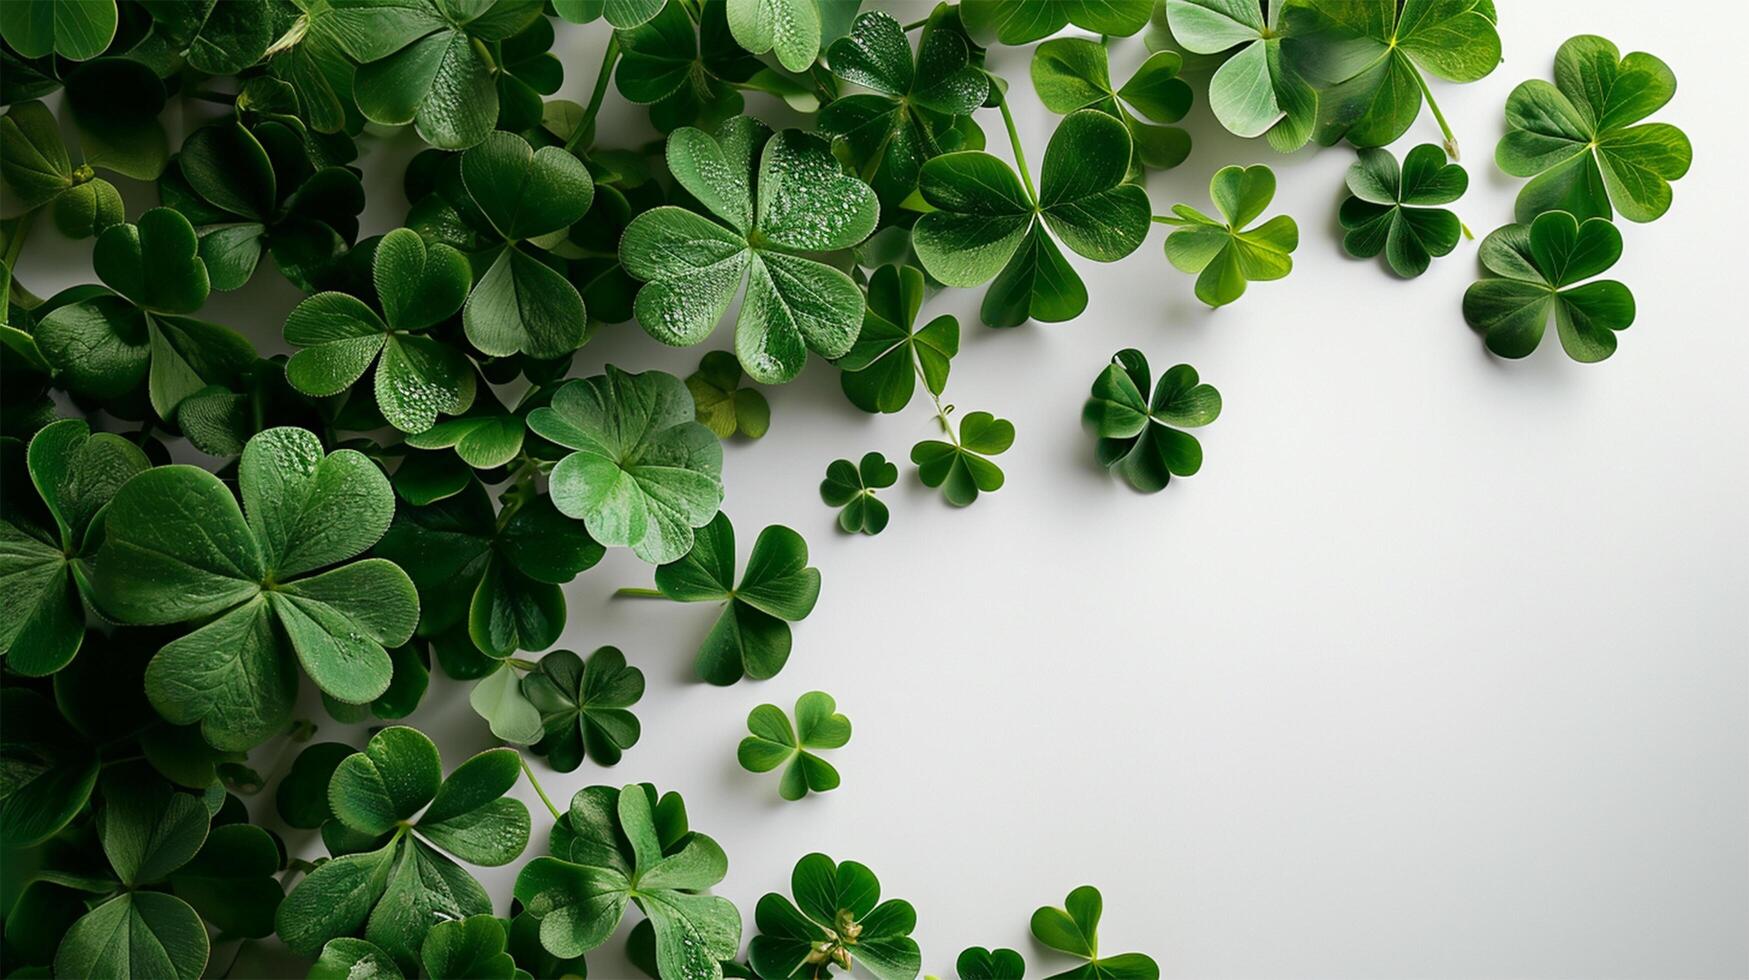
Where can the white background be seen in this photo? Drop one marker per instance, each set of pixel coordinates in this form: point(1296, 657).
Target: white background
point(1437, 669)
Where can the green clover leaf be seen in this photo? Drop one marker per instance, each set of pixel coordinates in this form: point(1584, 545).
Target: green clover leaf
point(310, 56)
point(178, 549)
point(498, 698)
point(487, 435)
point(837, 919)
point(721, 404)
point(686, 76)
point(622, 14)
point(985, 225)
point(1535, 267)
point(346, 958)
point(232, 881)
point(1578, 139)
point(852, 487)
point(1073, 73)
point(1255, 91)
point(584, 706)
point(213, 37)
point(880, 371)
point(775, 742)
point(50, 770)
point(1225, 254)
point(961, 467)
point(394, 795)
point(476, 947)
point(1025, 21)
point(1137, 437)
point(301, 799)
point(692, 266)
point(1074, 929)
point(1389, 209)
point(77, 30)
point(978, 963)
point(36, 172)
point(219, 421)
point(791, 28)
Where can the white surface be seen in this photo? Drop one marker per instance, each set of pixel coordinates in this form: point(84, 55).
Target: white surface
point(1438, 668)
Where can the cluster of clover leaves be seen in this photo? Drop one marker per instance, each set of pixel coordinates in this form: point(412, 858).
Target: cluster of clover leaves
point(415, 484)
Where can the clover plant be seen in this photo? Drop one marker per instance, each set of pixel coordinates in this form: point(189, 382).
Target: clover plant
point(1140, 437)
point(1025, 21)
point(1071, 73)
point(1074, 929)
point(852, 486)
point(584, 706)
point(36, 172)
point(721, 404)
point(1389, 208)
point(978, 963)
point(836, 920)
point(775, 742)
point(1256, 89)
point(1225, 253)
point(1538, 271)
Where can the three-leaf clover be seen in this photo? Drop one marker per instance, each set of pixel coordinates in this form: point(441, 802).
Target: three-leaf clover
point(394, 796)
point(837, 919)
point(721, 404)
point(1074, 929)
point(775, 742)
point(1390, 210)
point(791, 28)
point(1073, 73)
point(1136, 434)
point(1256, 91)
point(417, 378)
point(961, 467)
point(686, 75)
point(583, 706)
point(644, 472)
point(1225, 254)
point(476, 947)
point(178, 549)
point(1025, 21)
point(852, 487)
point(985, 225)
point(880, 371)
point(1578, 139)
point(1535, 267)
point(77, 30)
point(622, 14)
point(37, 172)
point(692, 266)
point(979, 963)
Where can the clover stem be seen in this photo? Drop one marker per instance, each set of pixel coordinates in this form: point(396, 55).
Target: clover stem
point(908, 28)
point(537, 788)
point(634, 592)
point(20, 231)
point(602, 77)
point(940, 412)
point(1019, 154)
point(521, 664)
point(1167, 219)
point(1451, 146)
point(1469, 235)
point(520, 490)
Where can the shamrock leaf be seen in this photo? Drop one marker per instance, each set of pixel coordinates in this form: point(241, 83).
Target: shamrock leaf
point(1073, 73)
point(487, 435)
point(913, 106)
point(498, 698)
point(346, 958)
point(178, 549)
point(686, 76)
point(583, 706)
point(692, 266)
point(1074, 929)
point(77, 30)
point(775, 743)
point(211, 37)
point(232, 881)
point(1025, 21)
point(1137, 435)
point(1535, 267)
point(852, 486)
point(960, 467)
point(721, 404)
point(1225, 254)
point(985, 225)
point(791, 28)
point(219, 421)
point(476, 946)
point(301, 799)
point(622, 14)
point(752, 635)
point(46, 565)
point(50, 771)
point(311, 57)
point(644, 472)
point(1578, 141)
point(36, 172)
point(837, 919)
point(625, 846)
point(978, 963)
point(1256, 90)
point(395, 792)
point(881, 369)
point(1389, 209)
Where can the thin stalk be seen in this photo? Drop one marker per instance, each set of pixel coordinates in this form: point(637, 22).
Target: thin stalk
point(521, 664)
point(602, 77)
point(1451, 146)
point(15, 241)
point(537, 788)
point(908, 28)
point(1019, 154)
point(1168, 219)
point(940, 412)
point(633, 592)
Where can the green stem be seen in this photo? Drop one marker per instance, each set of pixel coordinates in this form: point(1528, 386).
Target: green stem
point(1451, 146)
point(940, 412)
point(521, 664)
point(915, 24)
point(15, 241)
point(485, 54)
point(600, 92)
point(1019, 154)
point(537, 788)
point(1167, 219)
point(1469, 236)
point(632, 592)
point(520, 490)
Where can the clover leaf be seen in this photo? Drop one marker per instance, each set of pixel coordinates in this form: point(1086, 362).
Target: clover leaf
point(852, 487)
point(178, 549)
point(310, 56)
point(36, 172)
point(960, 467)
point(622, 14)
point(394, 795)
point(1073, 73)
point(1256, 91)
point(498, 698)
point(774, 197)
point(1225, 254)
point(219, 421)
point(50, 771)
point(791, 28)
point(45, 558)
point(986, 225)
point(1074, 929)
point(775, 742)
point(686, 76)
point(837, 919)
point(583, 706)
point(1025, 21)
point(978, 963)
point(488, 434)
point(913, 106)
point(1389, 209)
point(213, 37)
point(721, 404)
point(77, 30)
point(880, 371)
point(476, 946)
point(1137, 437)
point(1535, 267)
point(1578, 139)
point(624, 846)
point(644, 472)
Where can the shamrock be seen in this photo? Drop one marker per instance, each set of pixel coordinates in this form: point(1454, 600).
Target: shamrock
point(103, 345)
point(852, 486)
point(985, 225)
point(219, 421)
point(624, 846)
point(721, 404)
point(1074, 929)
point(1578, 141)
point(1388, 209)
point(838, 919)
point(498, 698)
point(692, 266)
point(45, 557)
point(641, 951)
point(394, 795)
point(644, 473)
point(1025, 21)
point(310, 56)
point(487, 435)
point(1256, 91)
point(1225, 255)
point(978, 963)
point(961, 467)
point(475, 947)
point(1535, 266)
point(914, 104)
point(881, 369)
point(1073, 73)
point(177, 549)
point(775, 742)
point(1370, 55)
point(77, 30)
point(752, 635)
point(687, 77)
point(622, 14)
point(583, 706)
point(37, 173)
point(50, 770)
point(212, 37)
point(791, 28)
point(1136, 435)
